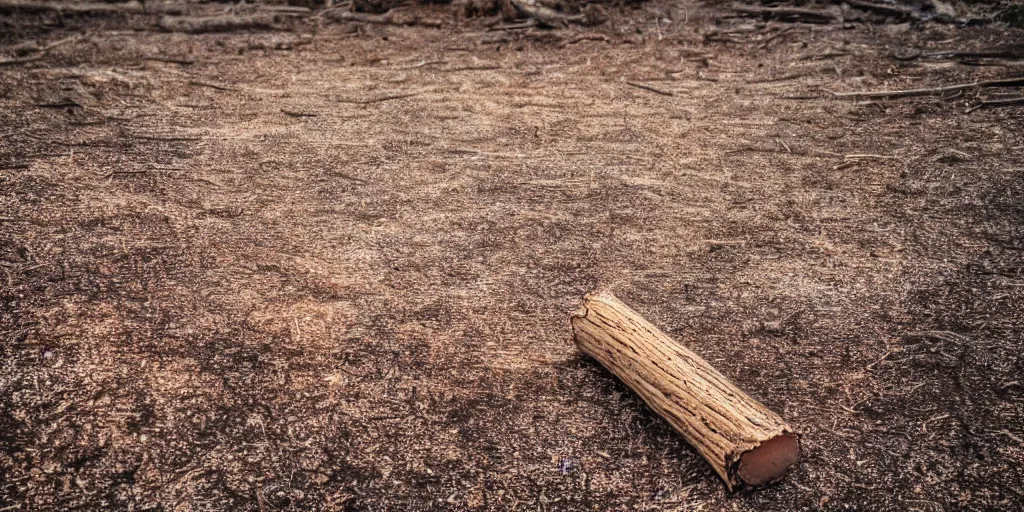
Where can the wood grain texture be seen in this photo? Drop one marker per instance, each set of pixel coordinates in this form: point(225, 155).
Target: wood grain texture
point(721, 421)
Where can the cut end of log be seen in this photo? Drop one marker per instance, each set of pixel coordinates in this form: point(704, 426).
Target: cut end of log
point(770, 460)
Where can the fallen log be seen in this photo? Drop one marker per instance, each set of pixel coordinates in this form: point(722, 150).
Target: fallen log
point(745, 442)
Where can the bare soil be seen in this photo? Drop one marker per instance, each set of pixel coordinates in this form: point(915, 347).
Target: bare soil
point(284, 271)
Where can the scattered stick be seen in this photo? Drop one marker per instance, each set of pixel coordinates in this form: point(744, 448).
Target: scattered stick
point(350, 178)
point(294, 113)
point(211, 85)
point(479, 67)
point(585, 37)
point(166, 138)
point(997, 103)
point(170, 60)
point(1005, 82)
point(892, 11)
point(649, 88)
point(8, 6)
point(212, 24)
point(41, 52)
point(378, 99)
point(389, 18)
point(65, 103)
point(858, 156)
point(545, 16)
point(822, 56)
point(816, 16)
point(782, 78)
point(960, 54)
point(21, 60)
point(118, 173)
point(765, 41)
point(424, 64)
point(132, 7)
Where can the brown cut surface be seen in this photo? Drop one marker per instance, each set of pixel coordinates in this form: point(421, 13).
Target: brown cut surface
point(770, 460)
point(258, 271)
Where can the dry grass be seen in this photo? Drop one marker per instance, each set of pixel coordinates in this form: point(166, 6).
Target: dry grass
point(211, 304)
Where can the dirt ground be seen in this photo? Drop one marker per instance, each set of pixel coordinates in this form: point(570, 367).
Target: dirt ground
point(269, 270)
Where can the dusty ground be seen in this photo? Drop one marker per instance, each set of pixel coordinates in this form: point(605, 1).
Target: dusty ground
point(262, 281)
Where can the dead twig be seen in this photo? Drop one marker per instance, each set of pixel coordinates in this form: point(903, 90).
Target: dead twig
point(816, 16)
point(547, 17)
point(212, 24)
point(211, 85)
point(389, 18)
point(822, 56)
point(41, 52)
point(585, 37)
point(166, 138)
point(997, 103)
point(118, 173)
point(295, 113)
point(369, 101)
point(892, 11)
point(422, 64)
point(30, 6)
point(64, 103)
point(1004, 82)
point(349, 177)
point(782, 78)
point(859, 156)
point(1009, 53)
point(765, 41)
point(649, 88)
point(170, 60)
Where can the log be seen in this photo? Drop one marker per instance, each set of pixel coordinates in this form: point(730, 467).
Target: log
point(746, 443)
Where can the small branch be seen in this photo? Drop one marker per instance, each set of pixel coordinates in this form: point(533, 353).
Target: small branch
point(816, 16)
point(1005, 82)
point(294, 113)
point(424, 64)
point(165, 138)
point(170, 60)
point(649, 88)
point(858, 156)
point(479, 67)
point(997, 103)
point(41, 52)
point(211, 85)
point(545, 16)
point(379, 99)
point(65, 103)
point(389, 18)
point(70, 7)
point(764, 42)
point(211, 24)
point(118, 173)
point(349, 177)
point(892, 11)
point(585, 37)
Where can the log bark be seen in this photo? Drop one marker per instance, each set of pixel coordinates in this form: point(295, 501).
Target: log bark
point(745, 442)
